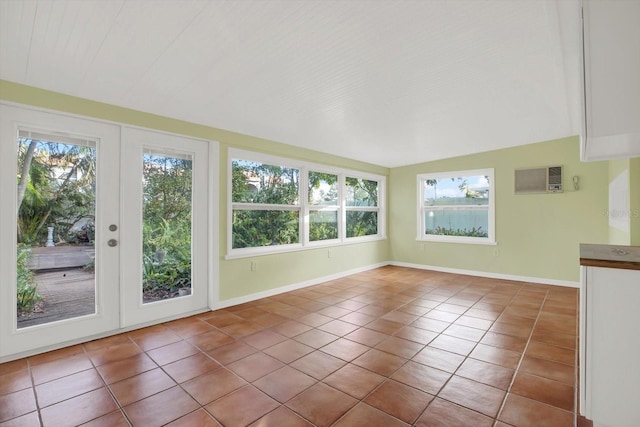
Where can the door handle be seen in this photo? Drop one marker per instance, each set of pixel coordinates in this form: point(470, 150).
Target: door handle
point(112, 242)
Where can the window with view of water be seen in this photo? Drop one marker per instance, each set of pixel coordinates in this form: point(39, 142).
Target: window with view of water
point(457, 206)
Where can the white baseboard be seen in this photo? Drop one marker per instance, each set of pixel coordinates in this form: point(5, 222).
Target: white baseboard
point(539, 280)
point(294, 286)
point(316, 281)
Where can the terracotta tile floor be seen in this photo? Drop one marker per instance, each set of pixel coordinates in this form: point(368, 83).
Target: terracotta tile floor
point(388, 347)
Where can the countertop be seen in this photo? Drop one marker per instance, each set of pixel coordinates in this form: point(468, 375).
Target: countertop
point(610, 256)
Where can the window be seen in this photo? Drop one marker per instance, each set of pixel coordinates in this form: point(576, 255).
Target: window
point(278, 204)
point(324, 206)
point(456, 206)
point(266, 208)
point(362, 207)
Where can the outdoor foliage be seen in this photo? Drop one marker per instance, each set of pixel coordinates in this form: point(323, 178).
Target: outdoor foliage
point(166, 223)
point(27, 295)
point(277, 187)
point(473, 232)
point(361, 223)
point(265, 184)
point(362, 192)
point(56, 187)
point(323, 225)
point(323, 192)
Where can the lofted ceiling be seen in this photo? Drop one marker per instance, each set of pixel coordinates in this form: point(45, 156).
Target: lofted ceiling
point(386, 82)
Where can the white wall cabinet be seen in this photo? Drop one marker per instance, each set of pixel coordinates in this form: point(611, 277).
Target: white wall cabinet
point(610, 346)
point(611, 79)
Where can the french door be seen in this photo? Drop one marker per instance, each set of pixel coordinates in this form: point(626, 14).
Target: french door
point(102, 227)
point(164, 226)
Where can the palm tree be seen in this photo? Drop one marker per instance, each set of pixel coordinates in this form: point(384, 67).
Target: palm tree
point(56, 184)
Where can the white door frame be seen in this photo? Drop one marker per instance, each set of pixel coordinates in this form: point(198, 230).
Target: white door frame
point(27, 341)
point(107, 137)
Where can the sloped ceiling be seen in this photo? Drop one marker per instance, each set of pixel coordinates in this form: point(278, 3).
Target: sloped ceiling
point(386, 82)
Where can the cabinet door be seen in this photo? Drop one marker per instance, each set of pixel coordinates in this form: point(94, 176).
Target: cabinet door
point(611, 82)
point(612, 345)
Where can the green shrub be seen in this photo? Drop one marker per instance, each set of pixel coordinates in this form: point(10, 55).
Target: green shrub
point(27, 294)
point(171, 274)
point(474, 232)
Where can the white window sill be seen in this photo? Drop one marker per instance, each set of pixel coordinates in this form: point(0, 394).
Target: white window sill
point(272, 250)
point(463, 240)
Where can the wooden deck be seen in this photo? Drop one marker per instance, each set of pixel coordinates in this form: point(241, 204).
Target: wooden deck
point(57, 257)
point(67, 294)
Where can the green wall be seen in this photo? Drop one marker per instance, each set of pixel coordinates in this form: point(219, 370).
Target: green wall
point(538, 235)
point(634, 200)
point(236, 278)
point(617, 236)
point(632, 166)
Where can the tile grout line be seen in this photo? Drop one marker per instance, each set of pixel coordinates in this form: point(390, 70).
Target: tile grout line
point(474, 347)
point(524, 351)
point(107, 386)
point(33, 391)
point(240, 339)
point(465, 357)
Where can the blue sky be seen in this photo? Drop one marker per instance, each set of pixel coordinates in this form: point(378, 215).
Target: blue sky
point(448, 188)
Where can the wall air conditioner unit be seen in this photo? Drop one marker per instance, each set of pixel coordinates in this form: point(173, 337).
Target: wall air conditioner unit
point(538, 180)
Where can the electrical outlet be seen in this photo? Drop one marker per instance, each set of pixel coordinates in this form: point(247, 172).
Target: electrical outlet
point(254, 266)
point(421, 247)
point(496, 252)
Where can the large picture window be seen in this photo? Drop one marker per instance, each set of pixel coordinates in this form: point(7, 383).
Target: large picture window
point(456, 206)
point(278, 204)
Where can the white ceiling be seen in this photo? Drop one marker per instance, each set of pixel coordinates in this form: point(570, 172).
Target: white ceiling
point(386, 82)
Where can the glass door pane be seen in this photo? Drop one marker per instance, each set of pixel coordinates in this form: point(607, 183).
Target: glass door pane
point(166, 228)
point(56, 183)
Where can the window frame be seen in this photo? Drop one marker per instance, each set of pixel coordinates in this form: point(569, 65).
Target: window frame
point(356, 208)
point(303, 206)
point(421, 208)
point(315, 208)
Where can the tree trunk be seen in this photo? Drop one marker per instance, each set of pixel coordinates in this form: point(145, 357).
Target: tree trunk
point(24, 172)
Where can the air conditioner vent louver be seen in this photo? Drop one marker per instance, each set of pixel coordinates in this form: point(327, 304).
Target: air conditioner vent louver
point(555, 175)
point(538, 180)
